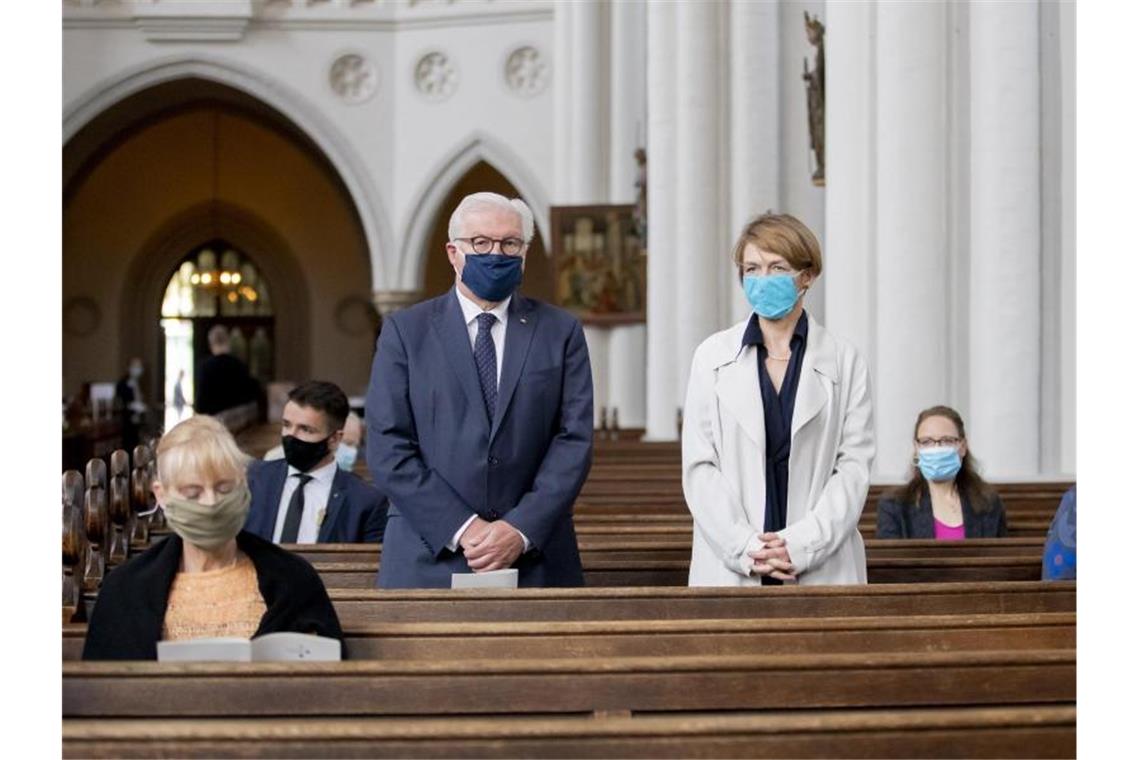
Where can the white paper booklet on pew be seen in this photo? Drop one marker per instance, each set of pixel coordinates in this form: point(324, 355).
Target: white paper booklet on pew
point(506, 578)
point(272, 647)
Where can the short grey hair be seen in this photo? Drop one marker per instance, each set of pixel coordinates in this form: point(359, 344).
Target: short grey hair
point(486, 200)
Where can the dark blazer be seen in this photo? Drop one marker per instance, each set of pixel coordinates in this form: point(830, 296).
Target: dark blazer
point(899, 520)
point(127, 621)
point(355, 514)
point(221, 382)
point(439, 460)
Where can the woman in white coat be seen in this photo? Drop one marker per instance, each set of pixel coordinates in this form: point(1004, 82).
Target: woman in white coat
point(777, 440)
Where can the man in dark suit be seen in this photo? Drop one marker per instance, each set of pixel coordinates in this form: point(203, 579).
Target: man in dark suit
point(480, 417)
point(222, 380)
point(305, 498)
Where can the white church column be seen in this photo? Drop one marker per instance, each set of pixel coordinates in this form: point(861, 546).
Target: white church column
point(699, 231)
point(1005, 239)
point(563, 67)
point(586, 168)
point(911, 298)
point(580, 137)
point(661, 371)
point(799, 196)
point(627, 375)
point(626, 368)
point(755, 124)
point(849, 251)
point(627, 97)
point(598, 344)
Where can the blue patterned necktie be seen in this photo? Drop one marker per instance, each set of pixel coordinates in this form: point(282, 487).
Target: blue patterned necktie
point(486, 364)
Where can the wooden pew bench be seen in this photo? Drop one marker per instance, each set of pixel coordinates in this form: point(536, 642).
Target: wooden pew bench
point(366, 606)
point(982, 732)
point(612, 569)
point(671, 548)
point(660, 638)
point(535, 686)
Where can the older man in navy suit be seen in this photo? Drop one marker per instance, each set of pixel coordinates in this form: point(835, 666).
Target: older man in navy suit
point(306, 498)
point(480, 417)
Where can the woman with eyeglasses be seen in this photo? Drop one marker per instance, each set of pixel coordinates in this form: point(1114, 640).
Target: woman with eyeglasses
point(777, 440)
point(945, 499)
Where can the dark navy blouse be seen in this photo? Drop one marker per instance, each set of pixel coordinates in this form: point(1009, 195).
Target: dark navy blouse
point(779, 407)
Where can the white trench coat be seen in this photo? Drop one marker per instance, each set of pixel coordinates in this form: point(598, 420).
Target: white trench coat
point(723, 465)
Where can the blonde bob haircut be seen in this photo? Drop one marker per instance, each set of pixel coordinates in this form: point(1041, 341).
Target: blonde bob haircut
point(199, 447)
point(783, 235)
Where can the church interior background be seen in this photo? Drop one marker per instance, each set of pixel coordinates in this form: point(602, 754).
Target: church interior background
point(286, 168)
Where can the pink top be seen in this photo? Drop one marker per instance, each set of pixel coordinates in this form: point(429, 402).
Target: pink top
point(943, 532)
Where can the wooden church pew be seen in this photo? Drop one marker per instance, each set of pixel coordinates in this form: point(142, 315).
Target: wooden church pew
point(983, 732)
point(366, 606)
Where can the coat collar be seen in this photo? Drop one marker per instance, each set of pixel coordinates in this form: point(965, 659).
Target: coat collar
point(738, 387)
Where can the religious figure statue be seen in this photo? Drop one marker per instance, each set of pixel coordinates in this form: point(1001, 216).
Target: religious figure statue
point(815, 96)
point(641, 209)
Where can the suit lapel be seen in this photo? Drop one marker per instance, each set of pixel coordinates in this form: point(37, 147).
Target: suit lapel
point(452, 332)
point(275, 486)
point(332, 509)
point(738, 390)
point(521, 321)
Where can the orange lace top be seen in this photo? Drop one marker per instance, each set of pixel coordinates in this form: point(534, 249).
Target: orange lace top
point(214, 603)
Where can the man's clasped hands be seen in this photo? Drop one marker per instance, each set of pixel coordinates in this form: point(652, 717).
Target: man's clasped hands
point(490, 545)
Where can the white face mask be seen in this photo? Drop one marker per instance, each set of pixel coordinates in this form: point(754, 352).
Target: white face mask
point(135, 371)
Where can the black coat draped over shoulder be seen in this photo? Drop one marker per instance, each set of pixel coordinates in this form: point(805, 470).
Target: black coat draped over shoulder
point(127, 621)
point(899, 520)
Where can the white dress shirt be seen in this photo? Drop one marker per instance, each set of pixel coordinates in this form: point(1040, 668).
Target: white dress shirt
point(471, 312)
point(317, 493)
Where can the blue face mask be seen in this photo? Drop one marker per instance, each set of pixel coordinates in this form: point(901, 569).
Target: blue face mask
point(771, 296)
point(492, 276)
point(939, 463)
point(345, 456)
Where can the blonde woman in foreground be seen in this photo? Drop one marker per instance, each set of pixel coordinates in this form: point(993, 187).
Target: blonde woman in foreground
point(210, 578)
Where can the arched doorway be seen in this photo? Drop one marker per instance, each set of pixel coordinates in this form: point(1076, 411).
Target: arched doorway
point(215, 284)
point(184, 164)
point(539, 279)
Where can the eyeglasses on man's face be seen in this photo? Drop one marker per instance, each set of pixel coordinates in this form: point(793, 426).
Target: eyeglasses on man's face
point(511, 246)
point(926, 443)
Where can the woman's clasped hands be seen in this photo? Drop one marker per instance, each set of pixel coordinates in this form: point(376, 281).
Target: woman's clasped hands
point(772, 558)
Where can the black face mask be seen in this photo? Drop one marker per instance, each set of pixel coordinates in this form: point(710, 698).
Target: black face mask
point(304, 455)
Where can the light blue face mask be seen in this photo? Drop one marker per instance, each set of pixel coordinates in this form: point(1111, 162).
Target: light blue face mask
point(939, 463)
point(771, 296)
point(345, 456)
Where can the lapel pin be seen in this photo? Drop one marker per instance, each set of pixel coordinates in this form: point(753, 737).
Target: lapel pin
point(523, 320)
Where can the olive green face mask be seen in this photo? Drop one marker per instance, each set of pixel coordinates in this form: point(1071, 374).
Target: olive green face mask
point(208, 526)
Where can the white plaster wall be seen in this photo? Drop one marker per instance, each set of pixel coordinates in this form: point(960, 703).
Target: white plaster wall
point(427, 134)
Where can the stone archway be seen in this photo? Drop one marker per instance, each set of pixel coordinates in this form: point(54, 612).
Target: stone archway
point(151, 269)
point(433, 198)
point(84, 109)
point(438, 276)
